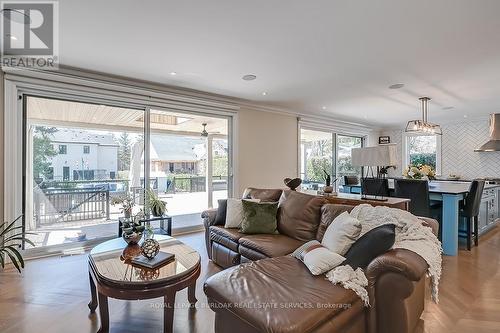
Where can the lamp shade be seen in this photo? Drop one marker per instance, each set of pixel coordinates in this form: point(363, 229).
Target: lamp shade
point(383, 155)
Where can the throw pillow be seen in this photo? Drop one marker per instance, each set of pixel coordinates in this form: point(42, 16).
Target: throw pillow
point(234, 212)
point(220, 217)
point(341, 233)
point(317, 258)
point(259, 218)
point(369, 246)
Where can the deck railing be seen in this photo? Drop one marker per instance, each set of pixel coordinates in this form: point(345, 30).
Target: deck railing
point(195, 184)
point(73, 204)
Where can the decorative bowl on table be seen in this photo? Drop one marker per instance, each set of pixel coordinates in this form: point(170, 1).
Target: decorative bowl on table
point(132, 238)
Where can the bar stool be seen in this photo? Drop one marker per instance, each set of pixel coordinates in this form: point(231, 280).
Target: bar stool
point(470, 211)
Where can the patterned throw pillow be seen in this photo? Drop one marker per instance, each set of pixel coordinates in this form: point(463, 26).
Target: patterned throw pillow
point(317, 258)
point(259, 218)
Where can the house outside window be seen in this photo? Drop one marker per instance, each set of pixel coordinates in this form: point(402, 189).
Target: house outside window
point(63, 149)
point(86, 149)
point(422, 149)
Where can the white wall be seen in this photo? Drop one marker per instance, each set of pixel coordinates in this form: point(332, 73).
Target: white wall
point(458, 157)
point(267, 149)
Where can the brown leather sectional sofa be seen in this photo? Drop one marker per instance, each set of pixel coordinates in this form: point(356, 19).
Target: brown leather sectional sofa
point(274, 292)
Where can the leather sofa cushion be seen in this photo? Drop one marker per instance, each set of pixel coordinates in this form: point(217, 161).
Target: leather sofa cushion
point(328, 213)
point(226, 237)
point(265, 195)
point(224, 256)
point(251, 254)
point(299, 215)
point(271, 245)
point(269, 281)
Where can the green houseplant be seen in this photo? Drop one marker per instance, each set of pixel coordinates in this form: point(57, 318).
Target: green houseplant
point(155, 205)
point(11, 243)
point(133, 229)
point(127, 203)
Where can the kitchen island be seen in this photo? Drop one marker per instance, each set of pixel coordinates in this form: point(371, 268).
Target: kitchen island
point(451, 193)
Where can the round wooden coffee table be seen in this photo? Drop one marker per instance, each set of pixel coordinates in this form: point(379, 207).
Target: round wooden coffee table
point(112, 275)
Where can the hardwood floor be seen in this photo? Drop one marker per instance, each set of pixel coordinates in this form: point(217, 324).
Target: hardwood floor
point(53, 293)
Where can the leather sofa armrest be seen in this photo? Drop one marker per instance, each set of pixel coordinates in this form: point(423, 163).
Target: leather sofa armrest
point(395, 281)
point(208, 217)
point(431, 223)
point(402, 261)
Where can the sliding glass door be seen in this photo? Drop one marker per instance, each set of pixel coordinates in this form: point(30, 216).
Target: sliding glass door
point(323, 152)
point(316, 157)
point(189, 162)
point(345, 144)
point(83, 161)
point(80, 159)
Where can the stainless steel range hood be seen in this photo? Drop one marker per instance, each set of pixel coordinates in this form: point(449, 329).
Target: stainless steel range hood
point(494, 143)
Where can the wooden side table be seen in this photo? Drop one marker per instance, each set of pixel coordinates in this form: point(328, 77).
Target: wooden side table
point(112, 275)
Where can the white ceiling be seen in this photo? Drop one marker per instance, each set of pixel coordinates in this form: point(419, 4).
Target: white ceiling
point(306, 54)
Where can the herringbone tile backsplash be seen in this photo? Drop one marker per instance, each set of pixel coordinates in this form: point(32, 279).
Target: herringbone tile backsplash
point(458, 157)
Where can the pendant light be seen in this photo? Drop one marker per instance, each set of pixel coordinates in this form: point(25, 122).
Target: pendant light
point(423, 126)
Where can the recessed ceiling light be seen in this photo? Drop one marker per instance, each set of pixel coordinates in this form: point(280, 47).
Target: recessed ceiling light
point(465, 116)
point(396, 86)
point(264, 93)
point(173, 73)
point(448, 107)
point(323, 107)
point(249, 77)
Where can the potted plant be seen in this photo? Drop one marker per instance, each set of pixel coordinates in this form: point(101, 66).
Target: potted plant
point(127, 203)
point(156, 206)
point(11, 244)
point(132, 228)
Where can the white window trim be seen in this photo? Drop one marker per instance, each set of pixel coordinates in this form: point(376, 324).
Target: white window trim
point(405, 158)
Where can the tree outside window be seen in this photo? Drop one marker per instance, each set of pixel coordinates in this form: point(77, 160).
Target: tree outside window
point(422, 150)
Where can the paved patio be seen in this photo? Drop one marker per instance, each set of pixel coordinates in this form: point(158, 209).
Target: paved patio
point(185, 209)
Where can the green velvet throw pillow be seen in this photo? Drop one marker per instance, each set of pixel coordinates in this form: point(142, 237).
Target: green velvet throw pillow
point(259, 218)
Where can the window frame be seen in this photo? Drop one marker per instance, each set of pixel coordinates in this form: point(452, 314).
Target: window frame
point(406, 156)
point(335, 148)
point(63, 148)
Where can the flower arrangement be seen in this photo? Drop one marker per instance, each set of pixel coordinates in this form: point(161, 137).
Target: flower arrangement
point(419, 171)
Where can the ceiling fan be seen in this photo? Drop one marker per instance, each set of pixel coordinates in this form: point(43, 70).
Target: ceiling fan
point(204, 132)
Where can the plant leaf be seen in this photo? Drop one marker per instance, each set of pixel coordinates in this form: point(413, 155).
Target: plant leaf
point(14, 261)
point(9, 230)
point(9, 226)
point(21, 239)
point(17, 254)
point(1, 258)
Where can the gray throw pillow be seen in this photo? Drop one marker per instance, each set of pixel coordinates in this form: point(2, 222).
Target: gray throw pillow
point(259, 218)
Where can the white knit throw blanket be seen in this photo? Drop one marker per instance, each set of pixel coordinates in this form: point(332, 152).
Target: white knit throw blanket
point(410, 235)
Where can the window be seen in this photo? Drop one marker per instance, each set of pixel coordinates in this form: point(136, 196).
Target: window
point(423, 149)
point(86, 149)
point(328, 152)
point(344, 158)
point(63, 149)
point(316, 156)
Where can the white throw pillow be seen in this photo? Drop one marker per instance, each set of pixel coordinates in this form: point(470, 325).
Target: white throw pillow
point(317, 258)
point(342, 233)
point(234, 212)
